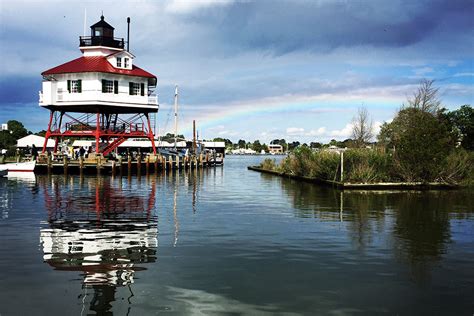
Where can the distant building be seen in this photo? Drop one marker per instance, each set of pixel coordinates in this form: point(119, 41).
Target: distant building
point(275, 149)
point(4, 127)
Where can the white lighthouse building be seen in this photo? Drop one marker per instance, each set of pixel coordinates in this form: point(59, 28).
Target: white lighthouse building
point(105, 86)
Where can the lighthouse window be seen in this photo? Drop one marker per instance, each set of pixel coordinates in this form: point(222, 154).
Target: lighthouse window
point(74, 86)
point(109, 86)
point(119, 61)
point(135, 88)
point(125, 62)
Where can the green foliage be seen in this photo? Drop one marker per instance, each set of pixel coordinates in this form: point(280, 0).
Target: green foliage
point(6, 139)
point(279, 142)
point(228, 142)
point(304, 162)
point(257, 146)
point(268, 164)
point(169, 137)
point(241, 143)
point(41, 133)
point(366, 166)
point(463, 121)
point(459, 167)
point(17, 129)
point(315, 145)
point(422, 144)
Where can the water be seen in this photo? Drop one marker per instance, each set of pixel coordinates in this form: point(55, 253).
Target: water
point(228, 241)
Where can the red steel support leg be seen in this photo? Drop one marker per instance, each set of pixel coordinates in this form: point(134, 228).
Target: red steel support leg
point(48, 132)
point(56, 141)
point(150, 134)
point(97, 134)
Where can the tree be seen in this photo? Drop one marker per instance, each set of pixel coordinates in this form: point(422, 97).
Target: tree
point(228, 142)
point(420, 137)
point(315, 145)
point(422, 144)
point(362, 127)
point(463, 121)
point(169, 137)
point(425, 98)
point(241, 143)
point(6, 139)
point(257, 146)
point(17, 130)
point(293, 145)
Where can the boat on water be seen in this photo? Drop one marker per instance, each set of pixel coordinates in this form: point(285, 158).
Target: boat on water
point(28, 166)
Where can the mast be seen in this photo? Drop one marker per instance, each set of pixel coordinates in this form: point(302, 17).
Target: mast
point(175, 115)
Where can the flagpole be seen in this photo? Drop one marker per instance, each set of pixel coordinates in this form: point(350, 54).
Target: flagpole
point(175, 115)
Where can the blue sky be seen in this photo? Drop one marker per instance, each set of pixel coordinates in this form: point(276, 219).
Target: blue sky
point(254, 70)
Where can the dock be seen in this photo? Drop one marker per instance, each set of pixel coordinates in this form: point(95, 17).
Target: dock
point(147, 164)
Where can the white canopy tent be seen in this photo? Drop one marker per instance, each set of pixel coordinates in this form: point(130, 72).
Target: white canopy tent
point(36, 140)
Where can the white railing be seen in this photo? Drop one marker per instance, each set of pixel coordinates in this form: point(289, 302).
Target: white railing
point(94, 96)
point(40, 97)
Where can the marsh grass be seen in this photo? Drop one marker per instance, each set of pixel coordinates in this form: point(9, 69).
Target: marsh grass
point(367, 166)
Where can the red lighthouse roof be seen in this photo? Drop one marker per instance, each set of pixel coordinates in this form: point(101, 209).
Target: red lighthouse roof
point(95, 64)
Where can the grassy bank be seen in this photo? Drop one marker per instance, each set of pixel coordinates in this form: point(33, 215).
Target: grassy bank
point(371, 166)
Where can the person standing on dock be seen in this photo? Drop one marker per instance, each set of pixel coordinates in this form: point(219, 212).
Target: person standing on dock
point(34, 152)
point(82, 151)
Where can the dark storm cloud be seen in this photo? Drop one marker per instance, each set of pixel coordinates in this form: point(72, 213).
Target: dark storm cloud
point(19, 90)
point(282, 27)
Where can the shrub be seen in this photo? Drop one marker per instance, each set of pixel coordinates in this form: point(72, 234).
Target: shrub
point(459, 168)
point(268, 164)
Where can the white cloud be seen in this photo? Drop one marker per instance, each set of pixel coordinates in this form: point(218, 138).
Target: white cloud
point(464, 74)
point(344, 132)
point(423, 71)
point(376, 127)
point(318, 132)
point(295, 131)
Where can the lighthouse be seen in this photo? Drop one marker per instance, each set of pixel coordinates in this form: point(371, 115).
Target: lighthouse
point(102, 95)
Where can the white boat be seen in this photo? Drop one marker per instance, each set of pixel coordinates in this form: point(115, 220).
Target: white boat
point(28, 166)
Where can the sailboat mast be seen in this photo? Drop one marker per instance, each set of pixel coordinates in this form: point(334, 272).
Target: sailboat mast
point(175, 115)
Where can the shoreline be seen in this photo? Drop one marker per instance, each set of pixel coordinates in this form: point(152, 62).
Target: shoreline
point(363, 186)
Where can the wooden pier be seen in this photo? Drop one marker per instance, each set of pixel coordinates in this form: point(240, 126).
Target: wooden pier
point(123, 165)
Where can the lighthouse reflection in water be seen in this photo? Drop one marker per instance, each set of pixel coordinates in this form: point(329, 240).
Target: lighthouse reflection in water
point(107, 234)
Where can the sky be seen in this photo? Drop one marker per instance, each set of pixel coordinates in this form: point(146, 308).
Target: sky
point(251, 70)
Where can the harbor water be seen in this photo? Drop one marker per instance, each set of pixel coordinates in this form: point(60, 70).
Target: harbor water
point(228, 241)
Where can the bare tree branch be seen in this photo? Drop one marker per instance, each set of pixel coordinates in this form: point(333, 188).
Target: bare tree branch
point(362, 127)
point(426, 97)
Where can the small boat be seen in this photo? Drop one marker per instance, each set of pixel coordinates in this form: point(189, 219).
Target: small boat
point(28, 166)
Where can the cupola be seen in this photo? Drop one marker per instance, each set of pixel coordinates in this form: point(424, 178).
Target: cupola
point(102, 35)
point(102, 29)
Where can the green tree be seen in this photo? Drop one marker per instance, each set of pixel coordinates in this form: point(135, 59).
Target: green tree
point(41, 133)
point(6, 140)
point(422, 144)
point(228, 142)
point(169, 137)
point(293, 145)
point(463, 121)
point(17, 129)
point(420, 137)
point(257, 146)
point(241, 143)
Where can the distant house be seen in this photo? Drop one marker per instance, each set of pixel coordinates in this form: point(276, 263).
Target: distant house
point(275, 149)
point(30, 140)
point(4, 127)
